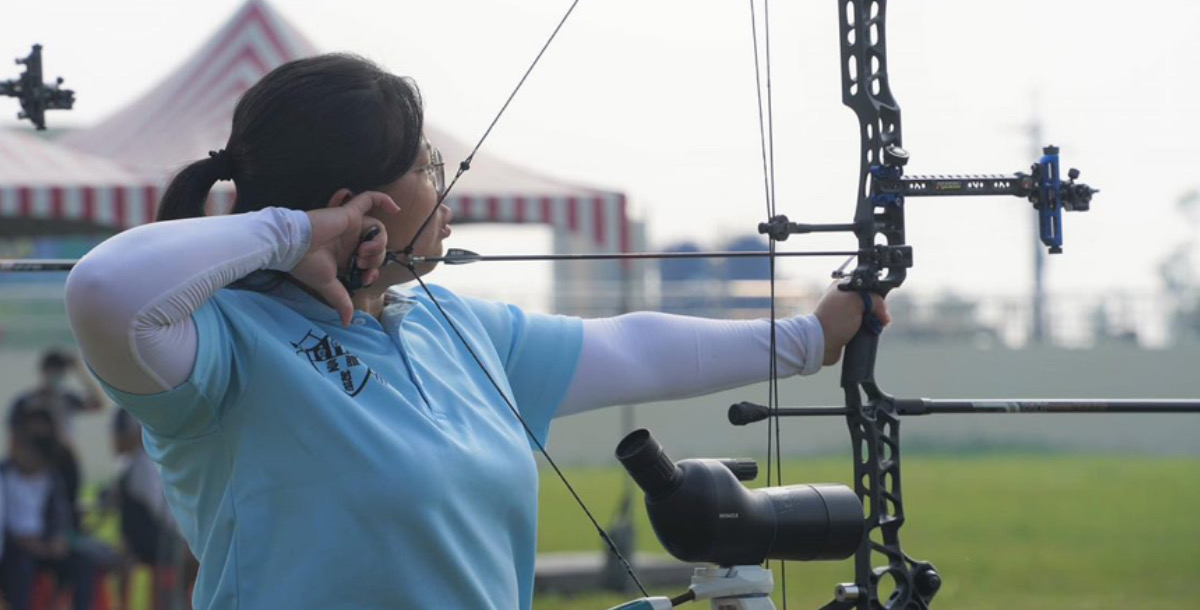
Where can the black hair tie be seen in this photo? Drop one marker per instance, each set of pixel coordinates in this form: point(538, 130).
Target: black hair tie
point(222, 164)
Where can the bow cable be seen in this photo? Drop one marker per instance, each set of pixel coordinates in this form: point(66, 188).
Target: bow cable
point(408, 262)
point(766, 132)
point(465, 165)
point(529, 432)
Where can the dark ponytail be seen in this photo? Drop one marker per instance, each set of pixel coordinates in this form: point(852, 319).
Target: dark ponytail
point(308, 128)
point(186, 195)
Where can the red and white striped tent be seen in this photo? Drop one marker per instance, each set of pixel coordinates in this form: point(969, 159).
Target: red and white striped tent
point(189, 113)
point(494, 190)
point(44, 186)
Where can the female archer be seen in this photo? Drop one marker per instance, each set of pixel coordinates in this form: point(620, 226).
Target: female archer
point(322, 447)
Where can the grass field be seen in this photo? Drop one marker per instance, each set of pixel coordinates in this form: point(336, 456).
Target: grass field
point(1029, 532)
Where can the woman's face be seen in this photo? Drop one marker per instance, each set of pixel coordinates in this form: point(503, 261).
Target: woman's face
point(417, 195)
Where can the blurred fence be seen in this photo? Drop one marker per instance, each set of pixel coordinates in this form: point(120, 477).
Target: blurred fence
point(940, 346)
point(32, 312)
point(998, 320)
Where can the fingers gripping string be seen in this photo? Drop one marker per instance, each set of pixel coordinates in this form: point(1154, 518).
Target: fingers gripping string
point(352, 278)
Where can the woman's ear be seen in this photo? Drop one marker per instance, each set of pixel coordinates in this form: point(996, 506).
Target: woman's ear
point(339, 198)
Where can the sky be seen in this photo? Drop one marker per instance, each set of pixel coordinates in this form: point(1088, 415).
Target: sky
point(656, 98)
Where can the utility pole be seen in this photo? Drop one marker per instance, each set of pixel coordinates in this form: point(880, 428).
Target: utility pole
point(1037, 334)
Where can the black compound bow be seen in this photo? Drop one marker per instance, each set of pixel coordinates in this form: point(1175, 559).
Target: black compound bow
point(871, 414)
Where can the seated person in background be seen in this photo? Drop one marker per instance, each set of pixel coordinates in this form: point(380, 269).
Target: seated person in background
point(54, 395)
point(148, 531)
point(38, 523)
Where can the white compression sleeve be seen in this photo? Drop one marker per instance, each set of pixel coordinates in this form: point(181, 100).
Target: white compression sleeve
point(130, 300)
point(646, 357)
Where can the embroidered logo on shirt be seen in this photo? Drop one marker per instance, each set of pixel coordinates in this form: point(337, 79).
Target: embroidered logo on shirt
point(328, 356)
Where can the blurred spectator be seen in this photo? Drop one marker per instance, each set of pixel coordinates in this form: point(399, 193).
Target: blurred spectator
point(148, 530)
point(54, 396)
point(38, 524)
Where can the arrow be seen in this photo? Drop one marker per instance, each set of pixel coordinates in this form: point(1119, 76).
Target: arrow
point(459, 256)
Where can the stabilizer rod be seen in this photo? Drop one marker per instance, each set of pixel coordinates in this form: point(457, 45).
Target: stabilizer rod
point(744, 413)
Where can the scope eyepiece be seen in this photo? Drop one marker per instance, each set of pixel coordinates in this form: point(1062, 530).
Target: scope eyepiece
point(702, 513)
point(648, 464)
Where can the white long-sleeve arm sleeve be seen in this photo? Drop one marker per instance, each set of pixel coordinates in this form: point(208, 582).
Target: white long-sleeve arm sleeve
point(646, 357)
point(130, 300)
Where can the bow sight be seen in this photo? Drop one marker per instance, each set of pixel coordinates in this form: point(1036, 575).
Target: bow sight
point(1043, 187)
point(37, 97)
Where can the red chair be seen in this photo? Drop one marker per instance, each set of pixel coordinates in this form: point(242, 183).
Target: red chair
point(46, 595)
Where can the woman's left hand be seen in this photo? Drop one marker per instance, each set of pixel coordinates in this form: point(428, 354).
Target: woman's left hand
point(841, 314)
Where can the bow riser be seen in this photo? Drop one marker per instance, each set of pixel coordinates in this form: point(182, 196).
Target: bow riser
point(874, 428)
point(865, 90)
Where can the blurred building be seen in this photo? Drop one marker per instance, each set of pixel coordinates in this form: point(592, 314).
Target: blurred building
point(717, 287)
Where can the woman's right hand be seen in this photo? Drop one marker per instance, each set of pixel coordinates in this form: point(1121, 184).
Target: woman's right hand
point(336, 234)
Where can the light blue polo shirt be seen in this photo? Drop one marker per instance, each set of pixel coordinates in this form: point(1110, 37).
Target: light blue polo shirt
point(315, 466)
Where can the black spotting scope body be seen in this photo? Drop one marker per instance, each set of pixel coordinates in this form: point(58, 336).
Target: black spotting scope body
point(702, 513)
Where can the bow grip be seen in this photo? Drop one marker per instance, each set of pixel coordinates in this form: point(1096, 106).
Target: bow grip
point(858, 359)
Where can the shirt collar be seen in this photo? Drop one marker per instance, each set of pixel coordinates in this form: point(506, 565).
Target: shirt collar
point(397, 302)
point(306, 304)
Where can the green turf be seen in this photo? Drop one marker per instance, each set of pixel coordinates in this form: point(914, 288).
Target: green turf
point(1034, 532)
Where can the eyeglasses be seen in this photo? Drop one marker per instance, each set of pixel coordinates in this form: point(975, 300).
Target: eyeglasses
point(435, 169)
